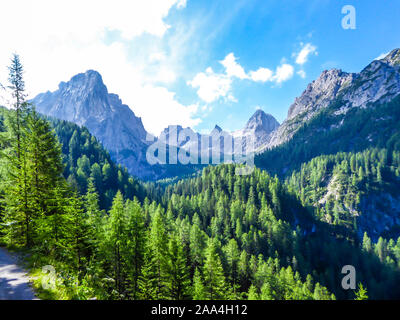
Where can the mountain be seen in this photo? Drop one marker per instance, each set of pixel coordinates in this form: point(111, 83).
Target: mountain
point(379, 82)
point(339, 112)
point(86, 101)
point(261, 127)
point(339, 148)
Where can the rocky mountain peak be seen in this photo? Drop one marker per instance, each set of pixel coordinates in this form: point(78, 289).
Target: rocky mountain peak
point(320, 92)
point(85, 101)
point(393, 58)
point(89, 81)
point(378, 82)
point(261, 121)
point(217, 128)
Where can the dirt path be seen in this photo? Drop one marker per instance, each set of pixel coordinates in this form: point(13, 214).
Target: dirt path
point(14, 282)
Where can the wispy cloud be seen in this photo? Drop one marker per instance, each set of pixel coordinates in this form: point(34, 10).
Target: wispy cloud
point(306, 50)
point(212, 86)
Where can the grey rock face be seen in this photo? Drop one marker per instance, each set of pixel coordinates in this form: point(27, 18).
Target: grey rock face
point(379, 81)
point(258, 130)
point(85, 101)
point(260, 127)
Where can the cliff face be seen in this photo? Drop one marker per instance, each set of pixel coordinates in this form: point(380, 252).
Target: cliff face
point(85, 101)
point(379, 81)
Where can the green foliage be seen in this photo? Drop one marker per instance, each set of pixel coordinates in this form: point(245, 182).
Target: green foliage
point(361, 294)
point(216, 235)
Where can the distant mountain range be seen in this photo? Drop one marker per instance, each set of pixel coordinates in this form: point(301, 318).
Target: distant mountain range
point(86, 101)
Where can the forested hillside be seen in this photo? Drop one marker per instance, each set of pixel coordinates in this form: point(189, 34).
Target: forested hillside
point(217, 235)
point(359, 191)
point(139, 251)
point(330, 132)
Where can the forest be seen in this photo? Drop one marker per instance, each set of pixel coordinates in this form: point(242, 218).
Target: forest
point(215, 236)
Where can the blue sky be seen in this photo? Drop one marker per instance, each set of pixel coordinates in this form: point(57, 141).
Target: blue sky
point(262, 33)
point(198, 62)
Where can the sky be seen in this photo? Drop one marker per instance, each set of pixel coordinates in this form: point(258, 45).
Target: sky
point(195, 63)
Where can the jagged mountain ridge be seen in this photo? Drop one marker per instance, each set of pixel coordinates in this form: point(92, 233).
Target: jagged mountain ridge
point(85, 101)
point(254, 135)
point(379, 81)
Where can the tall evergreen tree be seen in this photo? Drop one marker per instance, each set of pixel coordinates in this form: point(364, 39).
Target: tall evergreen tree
point(178, 275)
point(136, 242)
point(115, 243)
point(214, 279)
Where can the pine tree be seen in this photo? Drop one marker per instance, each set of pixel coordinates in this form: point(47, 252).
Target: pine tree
point(17, 86)
point(198, 286)
point(178, 276)
point(233, 256)
point(148, 278)
point(115, 242)
point(18, 216)
point(214, 279)
point(93, 213)
point(159, 246)
point(252, 294)
point(78, 234)
point(136, 244)
point(366, 245)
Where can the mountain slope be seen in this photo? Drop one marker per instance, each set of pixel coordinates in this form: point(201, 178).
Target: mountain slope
point(85, 159)
point(359, 191)
point(85, 101)
point(365, 113)
point(258, 129)
point(379, 83)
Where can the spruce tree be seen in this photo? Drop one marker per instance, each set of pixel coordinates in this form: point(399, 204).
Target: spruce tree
point(198, 291)
point(136, 242)
point(115, 243)
point(214, 279)
point(159, 245)
point(178, 275)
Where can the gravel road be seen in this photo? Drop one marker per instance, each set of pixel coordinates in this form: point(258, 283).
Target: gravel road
point(14, 282)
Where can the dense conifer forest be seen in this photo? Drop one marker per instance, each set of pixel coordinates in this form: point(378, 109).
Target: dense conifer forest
point(63, 202)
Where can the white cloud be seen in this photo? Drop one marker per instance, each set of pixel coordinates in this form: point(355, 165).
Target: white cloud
point(58, 39)
point(232, 68)
point(302, 74)
point(212, 86)
point(181, 4)
point(157, 57)
point(307, 49)
point(169, 111)
point(261, 75)
point(283, 73)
